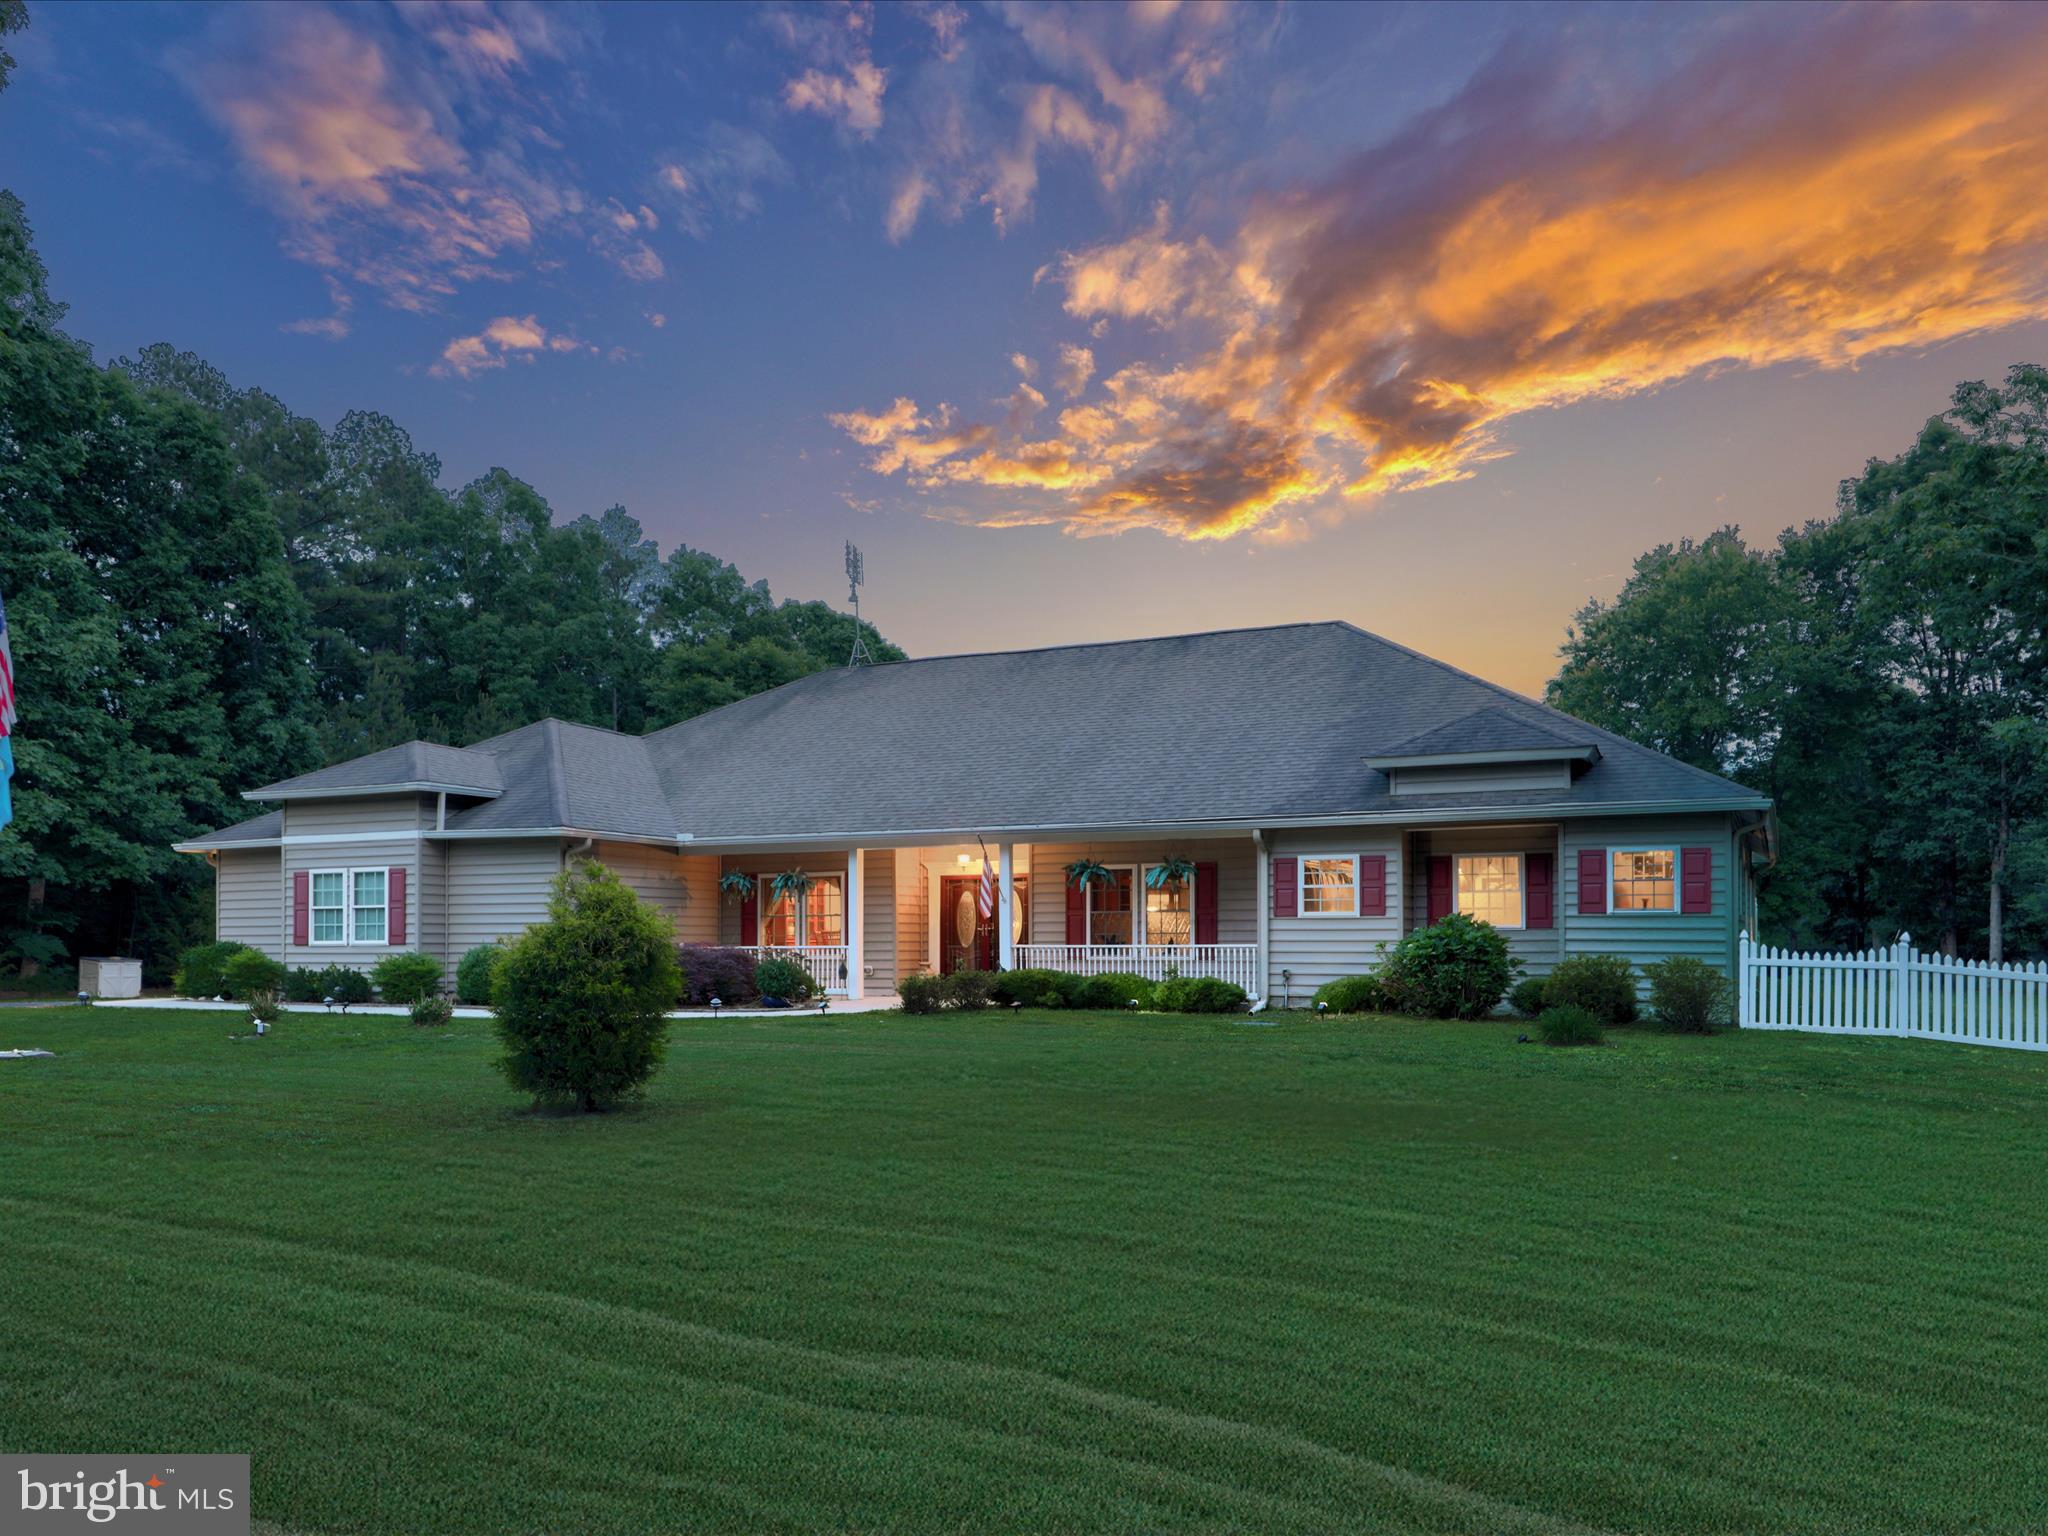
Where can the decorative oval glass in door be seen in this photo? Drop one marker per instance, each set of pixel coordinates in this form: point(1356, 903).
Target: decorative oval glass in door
point(965, 916)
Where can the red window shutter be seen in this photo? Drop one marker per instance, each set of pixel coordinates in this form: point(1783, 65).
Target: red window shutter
point(1286, 887)
point(302, 902)
point(1205, 903)
point(750, 918)
point(1439, 886)
point(1372, 885)
point(394, 895)
point(1592, 881)
point(1077, 914)
point(1541, 897)
point(1696, 880)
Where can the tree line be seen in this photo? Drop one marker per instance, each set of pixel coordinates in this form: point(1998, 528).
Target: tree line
point(207, 592)
point(1882, 675)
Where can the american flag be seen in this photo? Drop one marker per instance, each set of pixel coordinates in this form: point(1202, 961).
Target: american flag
point(985, 901)
point(7, 713)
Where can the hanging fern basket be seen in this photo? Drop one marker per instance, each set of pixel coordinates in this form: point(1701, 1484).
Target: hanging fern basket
point(1171, 871)
point(736, 885)
point(791, 883)
point(1083, 873)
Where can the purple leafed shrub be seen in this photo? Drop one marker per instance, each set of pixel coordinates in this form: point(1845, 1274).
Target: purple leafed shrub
point(710, 970)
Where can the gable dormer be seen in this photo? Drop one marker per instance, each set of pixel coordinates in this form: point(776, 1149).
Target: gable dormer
point(1489, 750)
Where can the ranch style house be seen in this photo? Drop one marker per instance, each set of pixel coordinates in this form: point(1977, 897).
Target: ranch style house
point(1331, 790)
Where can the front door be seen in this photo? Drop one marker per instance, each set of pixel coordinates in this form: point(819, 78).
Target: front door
point(966, 942)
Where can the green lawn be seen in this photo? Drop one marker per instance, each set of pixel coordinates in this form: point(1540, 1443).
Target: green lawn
point(1050, 1273)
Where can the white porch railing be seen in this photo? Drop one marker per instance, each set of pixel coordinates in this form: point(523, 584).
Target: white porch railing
point(1237, 963)
point(825, 962)
point(1895, 992)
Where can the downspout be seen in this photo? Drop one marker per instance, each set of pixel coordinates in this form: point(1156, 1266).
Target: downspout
point(1265, 917)
point(579, 851)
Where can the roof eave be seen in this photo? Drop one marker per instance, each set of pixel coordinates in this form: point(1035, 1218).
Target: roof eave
point(357, 791)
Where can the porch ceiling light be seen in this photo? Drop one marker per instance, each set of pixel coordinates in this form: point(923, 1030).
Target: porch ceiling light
point(964, 859)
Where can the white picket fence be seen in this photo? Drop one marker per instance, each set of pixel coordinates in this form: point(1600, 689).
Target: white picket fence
point(1895, 991)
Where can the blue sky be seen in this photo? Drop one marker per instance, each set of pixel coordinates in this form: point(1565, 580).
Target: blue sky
point(1084, 321)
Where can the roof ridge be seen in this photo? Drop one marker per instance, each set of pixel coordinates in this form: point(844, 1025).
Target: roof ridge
point(1509, 693)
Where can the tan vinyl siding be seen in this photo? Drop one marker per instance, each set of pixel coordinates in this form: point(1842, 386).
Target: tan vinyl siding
point(1646, 937)
point(1537, 948)
point(1237, 876)
point(1475, 777)
point(497, 889)
point(683, 886)
point(249, 900)
point(878, 920)
point(1320, 949)
point(430, 917)
point(912, 917)
point(352, 820)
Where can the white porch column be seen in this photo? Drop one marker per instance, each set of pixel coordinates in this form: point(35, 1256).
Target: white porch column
point(854, 950)
point(1006, 904)
point(1265, 910)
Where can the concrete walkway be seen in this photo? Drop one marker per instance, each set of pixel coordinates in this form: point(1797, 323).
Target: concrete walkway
point(881, 1004)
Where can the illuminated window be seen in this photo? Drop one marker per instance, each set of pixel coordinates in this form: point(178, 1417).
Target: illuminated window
point(1109, 909)
point(1170, 913)
point(1329, 885)
point(1645, 880)
point(825, 911)
point(1490, 888)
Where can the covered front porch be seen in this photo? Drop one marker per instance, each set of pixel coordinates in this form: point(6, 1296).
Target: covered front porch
point(859, 920)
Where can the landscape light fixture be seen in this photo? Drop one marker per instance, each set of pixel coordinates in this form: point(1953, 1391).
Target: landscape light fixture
point(716, 1004)
point(85, 999)
point(329, 1001)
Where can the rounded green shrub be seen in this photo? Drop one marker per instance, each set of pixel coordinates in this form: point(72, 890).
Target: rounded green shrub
point(970, 989)
point(1526, 996)
point(1603, 985)
point(1569, 1024)
point(345, 985)
point(1198, 994)
point(199, 969)
point(473, 975)
point(1116, 990)
point(1689, 996)
point(921, 992)
point(1456, 968)
point(302, 986)
point(777, 977)
point(251, 975)
point(580, 998)
point(407, 978)
point(1350, 994)
point(1031, 988)
point(432, 1011)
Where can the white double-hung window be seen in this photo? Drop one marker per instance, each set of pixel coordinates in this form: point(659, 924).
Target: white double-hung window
point(1645, 880)
point(1489, 887)
point(349, 906)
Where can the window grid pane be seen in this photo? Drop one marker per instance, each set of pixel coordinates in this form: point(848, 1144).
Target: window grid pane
point(1170, 913)
point(369, 906)
point(330, 912)
point(1646, 881)
point(824, 908)
point(1109, 910)
point(778, 923)
point(1329, 885)
point(1490, 888)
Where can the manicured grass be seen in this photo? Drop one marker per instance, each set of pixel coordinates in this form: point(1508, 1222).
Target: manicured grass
point(1050, 1273)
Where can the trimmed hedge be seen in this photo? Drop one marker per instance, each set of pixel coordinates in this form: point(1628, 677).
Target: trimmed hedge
point(922, 992)
point(1603, 985)
point(1689, 997)
point(713, 970)
point(474, 974)
point(199, 972)
point(1040, 989)
point(345, 985)
point(784, 980)
point(1351, 994)
point(1198, 994)
point(970, 989)
point(251, 976)
point(407, 978)
point(302, 986)
point(1456, 968)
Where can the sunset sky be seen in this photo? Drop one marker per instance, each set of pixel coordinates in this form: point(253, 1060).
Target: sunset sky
point(1085, 322)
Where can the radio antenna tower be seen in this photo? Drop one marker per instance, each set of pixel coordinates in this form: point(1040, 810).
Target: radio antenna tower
point(856, 574)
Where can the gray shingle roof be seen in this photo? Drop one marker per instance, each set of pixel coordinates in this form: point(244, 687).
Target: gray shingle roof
point(257, 829)
point(410, 763)
point(1492, 729)
point(1242, 725)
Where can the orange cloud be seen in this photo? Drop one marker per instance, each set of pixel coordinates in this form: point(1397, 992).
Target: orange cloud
point(505, 338)
point(1812, 189)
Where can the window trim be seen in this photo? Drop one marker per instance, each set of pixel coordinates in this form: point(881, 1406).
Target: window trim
point(1145, 906)
point(1614, 907)
point(1137, 910)
point(347, 909)
point(1302, 862)
point(1521, 884)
